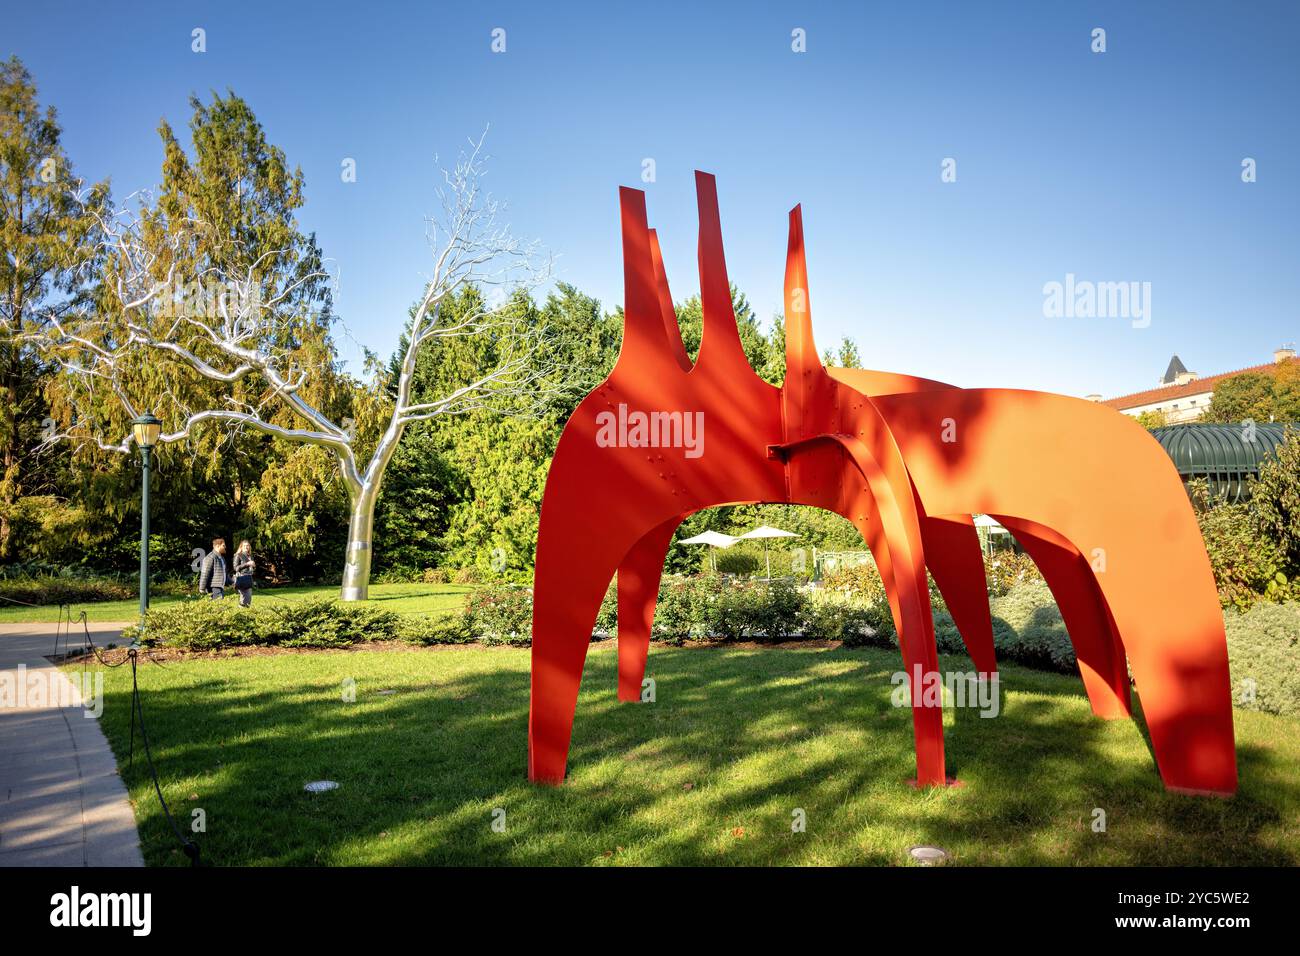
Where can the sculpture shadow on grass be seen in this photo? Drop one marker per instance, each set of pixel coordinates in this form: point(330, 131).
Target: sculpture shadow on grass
point(755, 733)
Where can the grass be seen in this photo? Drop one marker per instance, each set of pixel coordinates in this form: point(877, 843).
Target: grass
point(710, 773)
point(402, 598)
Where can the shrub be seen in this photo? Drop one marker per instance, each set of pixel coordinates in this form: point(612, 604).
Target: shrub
point(446, 629)
point(1275, 500)
point(607, 616)
point(861, 581)
point(1264, 649)
point(433, 576)
point(775, 610)
point(40, 582)
point(501, 614)
point(734, 611)
point(947, 638)
point(323, 623)
point(203, 624)
point(737, 562)
point(398, 574)
point(464, 576)
point(197, 625)
point(1028, 628)
point(1006, 569)
point(832, 616)
point(682, 607)
point(880, 619)
point(48, 589)
point(1247, 565)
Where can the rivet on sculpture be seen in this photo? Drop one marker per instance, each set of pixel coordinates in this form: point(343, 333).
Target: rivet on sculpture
point(1087, 492)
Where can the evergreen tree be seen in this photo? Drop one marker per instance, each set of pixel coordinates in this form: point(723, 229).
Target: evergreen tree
point(44, 233)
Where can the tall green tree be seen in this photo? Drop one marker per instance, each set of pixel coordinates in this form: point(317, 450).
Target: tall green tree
point(224, 211)
point(45, 234)
point(1271, 396)
point(244, 344)
point(846, 356)
point(489, 466)
point(1275, 499)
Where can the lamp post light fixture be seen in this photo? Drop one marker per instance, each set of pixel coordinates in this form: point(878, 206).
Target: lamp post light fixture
point(145, 429)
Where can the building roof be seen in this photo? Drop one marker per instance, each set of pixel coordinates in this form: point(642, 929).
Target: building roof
point(1176, 368)
point(1195, 387)
point(1225, 455)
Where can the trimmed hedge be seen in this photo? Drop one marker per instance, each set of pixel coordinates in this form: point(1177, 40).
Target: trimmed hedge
point(1264, 657)
point(696, 608)
point(203, 624)
point(1263, 643)
point(48, 589)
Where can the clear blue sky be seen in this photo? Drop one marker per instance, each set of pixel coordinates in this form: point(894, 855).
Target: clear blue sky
point(1122, 166)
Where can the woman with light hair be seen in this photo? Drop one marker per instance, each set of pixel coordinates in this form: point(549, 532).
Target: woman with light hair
point(244, 567)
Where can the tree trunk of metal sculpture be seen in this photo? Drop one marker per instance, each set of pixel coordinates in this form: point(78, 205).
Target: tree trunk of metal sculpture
point(243, 342)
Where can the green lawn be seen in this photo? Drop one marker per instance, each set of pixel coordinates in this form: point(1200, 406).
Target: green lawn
point(402, 598)
point(708, 774)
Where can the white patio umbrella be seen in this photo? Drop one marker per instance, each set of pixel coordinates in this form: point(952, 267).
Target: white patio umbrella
point(991, 527)
point(715, 539)
point(766, 532)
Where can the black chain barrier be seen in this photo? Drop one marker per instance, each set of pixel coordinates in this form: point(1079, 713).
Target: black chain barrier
point(188, 846)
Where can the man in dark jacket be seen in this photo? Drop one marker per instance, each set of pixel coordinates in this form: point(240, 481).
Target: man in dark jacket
point(212, 577)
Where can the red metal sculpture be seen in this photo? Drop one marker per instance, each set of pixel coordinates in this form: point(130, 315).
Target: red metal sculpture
point(908, 461)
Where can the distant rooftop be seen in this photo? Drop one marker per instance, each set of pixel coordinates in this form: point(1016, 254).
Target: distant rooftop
point(1196, 386)
point(1176, 368)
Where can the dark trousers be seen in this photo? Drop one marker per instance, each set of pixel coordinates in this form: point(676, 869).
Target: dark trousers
point(245, 597)
point(218, 593)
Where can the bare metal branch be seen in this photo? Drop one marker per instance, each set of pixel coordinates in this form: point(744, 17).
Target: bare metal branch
point(225, 325)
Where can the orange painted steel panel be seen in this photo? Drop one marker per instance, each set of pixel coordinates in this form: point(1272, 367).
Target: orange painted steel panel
point(908, 461)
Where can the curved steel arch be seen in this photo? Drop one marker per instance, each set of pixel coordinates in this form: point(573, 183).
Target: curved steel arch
point(908, 461)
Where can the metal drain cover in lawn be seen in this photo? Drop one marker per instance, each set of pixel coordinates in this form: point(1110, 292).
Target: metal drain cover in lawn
point(320, 786)
point(928, 855)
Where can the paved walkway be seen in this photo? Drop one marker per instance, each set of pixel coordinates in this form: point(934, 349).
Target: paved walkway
point(61, 800)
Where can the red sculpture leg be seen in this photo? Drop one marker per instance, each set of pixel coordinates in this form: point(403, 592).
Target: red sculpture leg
point(1087, 619)
point(895, 540)
point(574, 567)
point(1037, 456)
point(1102, 663)
point(817, 410)
point(638, 592)
point(952, 546)
point(955, 558)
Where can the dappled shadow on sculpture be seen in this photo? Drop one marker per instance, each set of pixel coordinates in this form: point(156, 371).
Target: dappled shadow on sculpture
point(908, 461)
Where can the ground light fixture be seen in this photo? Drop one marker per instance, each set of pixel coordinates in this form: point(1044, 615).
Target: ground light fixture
point(928, 855)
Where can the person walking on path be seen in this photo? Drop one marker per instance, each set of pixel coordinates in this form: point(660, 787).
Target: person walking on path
point(212, 577)
point(244, 568)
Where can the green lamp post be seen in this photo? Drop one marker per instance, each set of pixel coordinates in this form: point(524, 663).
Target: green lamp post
point(145, 429)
